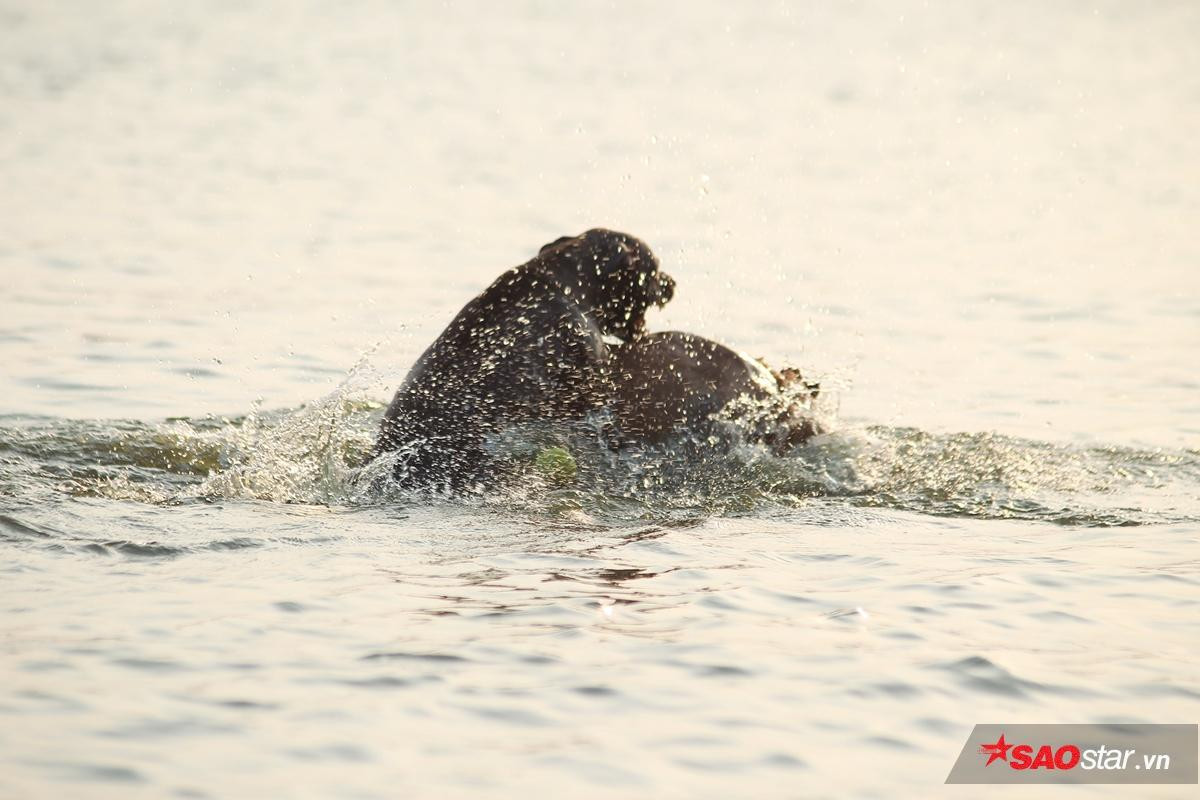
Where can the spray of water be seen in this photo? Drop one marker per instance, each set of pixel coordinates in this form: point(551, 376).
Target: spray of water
point(319, 454)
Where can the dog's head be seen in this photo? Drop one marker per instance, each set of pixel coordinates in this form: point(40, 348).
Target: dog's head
point(615, 274)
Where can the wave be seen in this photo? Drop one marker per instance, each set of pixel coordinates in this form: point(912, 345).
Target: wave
point(313, 455)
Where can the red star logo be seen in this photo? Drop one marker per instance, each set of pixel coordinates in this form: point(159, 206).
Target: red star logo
point(994, 751)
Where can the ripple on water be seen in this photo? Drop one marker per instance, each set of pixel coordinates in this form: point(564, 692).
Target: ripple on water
point(16, 530)
point(134, 549)
point(152, 665)
point(338, 752)
point(980, 674)
point(86, 772)
point(385, 682)
point(438, 658)
point(153, 728)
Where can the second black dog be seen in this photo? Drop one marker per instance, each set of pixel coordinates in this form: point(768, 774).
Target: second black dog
point(669, 383)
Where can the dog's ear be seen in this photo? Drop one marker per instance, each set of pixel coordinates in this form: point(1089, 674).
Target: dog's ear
point(560, 240)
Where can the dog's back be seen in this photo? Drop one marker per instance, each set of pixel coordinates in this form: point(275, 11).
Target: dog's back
point(670, 383)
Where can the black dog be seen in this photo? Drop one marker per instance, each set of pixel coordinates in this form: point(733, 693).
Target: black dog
point(663, 384)
point(534, 345)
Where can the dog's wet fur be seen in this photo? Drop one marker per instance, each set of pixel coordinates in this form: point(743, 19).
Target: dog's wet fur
point(557, 338)
point(667, 382)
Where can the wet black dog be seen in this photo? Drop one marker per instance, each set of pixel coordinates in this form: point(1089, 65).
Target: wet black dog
point(562, 336)
point(533, 346)
point(663, 384)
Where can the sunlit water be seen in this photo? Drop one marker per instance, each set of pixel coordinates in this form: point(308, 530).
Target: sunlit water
point(227, 230)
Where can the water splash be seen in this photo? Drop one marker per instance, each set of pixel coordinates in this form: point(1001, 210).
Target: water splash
point(308, 455)
point(315, 454)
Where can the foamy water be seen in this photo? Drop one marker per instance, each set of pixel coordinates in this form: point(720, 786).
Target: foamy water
point(227, 231)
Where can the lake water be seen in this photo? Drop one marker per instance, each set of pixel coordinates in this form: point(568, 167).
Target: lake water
point(227, 229)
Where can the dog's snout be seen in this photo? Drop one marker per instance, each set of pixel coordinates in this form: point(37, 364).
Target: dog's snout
point(666, 288)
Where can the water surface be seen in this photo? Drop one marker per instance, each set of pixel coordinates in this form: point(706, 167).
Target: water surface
point(227, 230)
